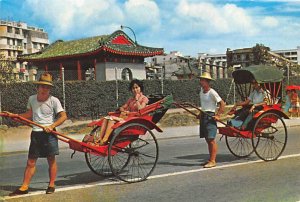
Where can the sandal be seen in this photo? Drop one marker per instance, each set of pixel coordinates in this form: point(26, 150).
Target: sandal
point(50, 190)
point(210, 164)
point(18, 192)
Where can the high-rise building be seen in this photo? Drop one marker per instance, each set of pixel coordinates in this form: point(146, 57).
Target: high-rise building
point(18, 38)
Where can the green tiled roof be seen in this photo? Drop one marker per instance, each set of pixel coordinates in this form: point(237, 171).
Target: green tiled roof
point(91, 45)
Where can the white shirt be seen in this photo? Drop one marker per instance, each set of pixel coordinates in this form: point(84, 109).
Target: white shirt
point(257, 97)
point(209, 100)
point(44, 113)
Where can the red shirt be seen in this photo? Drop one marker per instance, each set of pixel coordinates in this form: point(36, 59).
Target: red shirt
point(132, 105)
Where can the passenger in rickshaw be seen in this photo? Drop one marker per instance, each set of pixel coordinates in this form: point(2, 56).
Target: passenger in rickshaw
point(133, 104)
point(288, 103)
point(253, 104)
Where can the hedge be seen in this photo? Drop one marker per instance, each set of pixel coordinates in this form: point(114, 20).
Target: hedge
point(92, 98)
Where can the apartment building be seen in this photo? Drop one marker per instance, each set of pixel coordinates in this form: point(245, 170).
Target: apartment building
point(261, 54)
point(164, 66)
point(18, 38)
point(216, 64)
point(291, 54)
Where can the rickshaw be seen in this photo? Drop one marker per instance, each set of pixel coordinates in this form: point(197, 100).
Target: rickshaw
point(266, 134)
point(132, 150)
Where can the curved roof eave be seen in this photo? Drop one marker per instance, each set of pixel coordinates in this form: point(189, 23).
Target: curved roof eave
point(104, 48)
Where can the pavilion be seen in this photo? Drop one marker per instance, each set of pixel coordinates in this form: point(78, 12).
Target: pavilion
point(106, 57)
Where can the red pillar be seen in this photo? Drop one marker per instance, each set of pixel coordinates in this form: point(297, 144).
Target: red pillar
point(46, 68)
point(95, 71)
point(79, 70)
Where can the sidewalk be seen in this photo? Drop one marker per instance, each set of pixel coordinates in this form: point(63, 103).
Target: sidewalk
point(18, 139)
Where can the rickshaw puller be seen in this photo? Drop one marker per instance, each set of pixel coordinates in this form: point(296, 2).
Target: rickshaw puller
point(209, 100)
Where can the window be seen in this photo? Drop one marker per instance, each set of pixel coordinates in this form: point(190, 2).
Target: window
point(126, 74)
point(17, 31)
point(25, 45)
point(247, 57)
point(19, 42)
point(9, 29)
point(25, 34)
point(34, 45)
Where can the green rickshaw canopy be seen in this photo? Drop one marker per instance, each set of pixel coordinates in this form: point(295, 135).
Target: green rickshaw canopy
point(261, 73)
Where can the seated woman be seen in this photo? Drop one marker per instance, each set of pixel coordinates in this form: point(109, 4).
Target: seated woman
point(133, 104)
point(295, 105)
point(254, 102)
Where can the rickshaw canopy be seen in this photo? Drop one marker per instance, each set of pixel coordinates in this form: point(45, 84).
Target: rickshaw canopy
point(293, 87)
point(261, 73)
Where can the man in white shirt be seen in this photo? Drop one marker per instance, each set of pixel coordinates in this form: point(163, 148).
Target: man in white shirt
point(209, 99)
point(42, 108)
point(255, 101)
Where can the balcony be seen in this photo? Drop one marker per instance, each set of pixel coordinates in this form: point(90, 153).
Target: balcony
point(12, 35)
point(11, 47)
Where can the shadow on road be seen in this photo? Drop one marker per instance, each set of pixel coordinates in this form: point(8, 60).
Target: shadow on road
point(79, 178)
point(202, 158)
point(6, 189)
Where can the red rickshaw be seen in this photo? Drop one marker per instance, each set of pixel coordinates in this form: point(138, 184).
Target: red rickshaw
point(132, 150)
point(266, 134)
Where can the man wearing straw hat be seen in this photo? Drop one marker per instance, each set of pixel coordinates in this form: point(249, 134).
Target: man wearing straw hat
point(42, 108)
point(209, 99)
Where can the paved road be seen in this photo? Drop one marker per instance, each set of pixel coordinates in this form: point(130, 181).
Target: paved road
point(177, 176)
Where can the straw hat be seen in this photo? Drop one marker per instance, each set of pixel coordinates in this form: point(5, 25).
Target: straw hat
point(206, 75)
point(45, 79)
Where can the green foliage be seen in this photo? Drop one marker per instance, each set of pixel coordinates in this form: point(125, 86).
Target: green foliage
point(6, 70)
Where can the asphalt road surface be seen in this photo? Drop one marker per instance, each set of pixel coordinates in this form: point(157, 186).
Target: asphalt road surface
point(178, 176)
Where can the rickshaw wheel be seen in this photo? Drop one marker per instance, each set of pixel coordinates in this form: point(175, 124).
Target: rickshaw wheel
point(239, 146)
point(97, 163)
point(269, 136)
point(137, 160)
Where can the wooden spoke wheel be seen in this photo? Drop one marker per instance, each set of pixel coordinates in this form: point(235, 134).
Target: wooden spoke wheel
point(133, 153)
point(98, 163)
point(239, 146)
point(269, 136)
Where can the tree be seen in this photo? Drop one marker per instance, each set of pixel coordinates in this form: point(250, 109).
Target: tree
point(260, 54)
point(6, 70)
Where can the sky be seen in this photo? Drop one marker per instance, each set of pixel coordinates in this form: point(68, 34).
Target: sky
point(187, 26)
